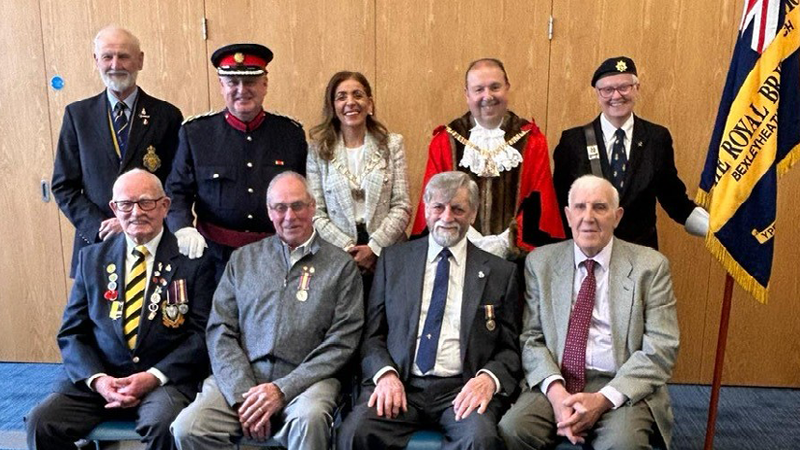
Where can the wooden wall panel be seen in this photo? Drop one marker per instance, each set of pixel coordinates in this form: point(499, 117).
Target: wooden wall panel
point(311, 41)
point(174, 56)
point(682, 50)
point(32, 289)
point(424, 48)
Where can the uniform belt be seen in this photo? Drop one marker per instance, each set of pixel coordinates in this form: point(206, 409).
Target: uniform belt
point(230, 238)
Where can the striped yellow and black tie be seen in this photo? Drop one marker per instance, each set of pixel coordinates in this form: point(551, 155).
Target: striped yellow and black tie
point(134, 296)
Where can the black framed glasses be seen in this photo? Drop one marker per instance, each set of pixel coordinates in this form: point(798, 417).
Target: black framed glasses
point(145, 204)
point(281, 208)
point(623, 89)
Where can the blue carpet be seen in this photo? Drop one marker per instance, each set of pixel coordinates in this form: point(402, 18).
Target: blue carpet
point(749, 418)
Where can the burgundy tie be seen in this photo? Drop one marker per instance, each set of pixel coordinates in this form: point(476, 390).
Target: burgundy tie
point(573, 365)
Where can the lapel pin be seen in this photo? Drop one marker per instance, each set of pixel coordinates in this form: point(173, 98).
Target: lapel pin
point(639, 144)
point(481, 274)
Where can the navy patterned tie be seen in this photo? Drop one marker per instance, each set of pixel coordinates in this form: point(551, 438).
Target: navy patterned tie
point(573, 362)
point(429, 342)
point(121, 127)
point(619, 161)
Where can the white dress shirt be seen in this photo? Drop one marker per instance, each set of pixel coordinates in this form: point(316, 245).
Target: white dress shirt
point(149, 261)
point(609, 137)
point(599, 346)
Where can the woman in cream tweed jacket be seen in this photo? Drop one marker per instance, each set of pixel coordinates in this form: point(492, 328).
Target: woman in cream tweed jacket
point(356, 170)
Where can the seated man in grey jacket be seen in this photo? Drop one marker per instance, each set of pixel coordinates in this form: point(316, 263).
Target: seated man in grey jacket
point(286, 316)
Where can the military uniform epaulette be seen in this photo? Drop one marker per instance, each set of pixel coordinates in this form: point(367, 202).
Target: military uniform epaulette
point(292, 119)
point(198, 116)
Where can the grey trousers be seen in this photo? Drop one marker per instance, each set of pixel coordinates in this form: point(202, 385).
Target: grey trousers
point(531, 424)
point(210, 423)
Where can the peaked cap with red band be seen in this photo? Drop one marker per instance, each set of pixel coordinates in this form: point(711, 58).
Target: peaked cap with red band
point(241, 59)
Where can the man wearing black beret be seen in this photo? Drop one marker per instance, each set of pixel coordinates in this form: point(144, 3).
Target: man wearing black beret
point(226, 159)
point(635, 155)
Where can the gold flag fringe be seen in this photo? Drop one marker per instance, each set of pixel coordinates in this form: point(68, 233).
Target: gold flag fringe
point(747, 282)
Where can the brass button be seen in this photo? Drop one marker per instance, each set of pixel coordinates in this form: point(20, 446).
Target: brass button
point(250, 190)
point(249, 164)
point(250, 138)
point(249, 216)
point(216, 175)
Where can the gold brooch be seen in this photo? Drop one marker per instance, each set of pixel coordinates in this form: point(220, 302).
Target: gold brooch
point(151, 161)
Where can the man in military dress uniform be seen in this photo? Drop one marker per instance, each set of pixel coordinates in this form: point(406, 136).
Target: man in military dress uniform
point(120, 129)
point(226, 160)
point(507, 156)
point(635, 155)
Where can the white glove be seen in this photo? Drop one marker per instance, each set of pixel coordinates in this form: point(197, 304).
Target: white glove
point(190, 242)
point(697, 222)
point(496, 244)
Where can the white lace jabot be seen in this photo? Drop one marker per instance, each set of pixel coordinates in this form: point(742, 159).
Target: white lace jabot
point(489, 153)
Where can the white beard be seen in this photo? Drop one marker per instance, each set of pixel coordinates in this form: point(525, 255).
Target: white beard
point(118, 84)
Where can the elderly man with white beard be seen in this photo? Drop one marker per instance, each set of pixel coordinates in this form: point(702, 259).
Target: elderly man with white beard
point(441, 342)
point(120, 129)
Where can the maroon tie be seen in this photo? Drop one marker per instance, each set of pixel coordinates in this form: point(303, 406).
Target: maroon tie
point(573, 365)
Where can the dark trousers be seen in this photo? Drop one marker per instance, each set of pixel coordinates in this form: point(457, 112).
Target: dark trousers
point(61, 419)
point(429, 407)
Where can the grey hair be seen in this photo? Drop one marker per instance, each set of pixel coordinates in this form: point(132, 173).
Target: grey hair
point(290, 174)
point(593, 182)
point(111, 28)
point(154, 180)
point(447, 184)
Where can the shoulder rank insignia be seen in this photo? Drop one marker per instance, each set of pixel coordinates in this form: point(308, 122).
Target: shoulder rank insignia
point(198, 116)
point(292, 119)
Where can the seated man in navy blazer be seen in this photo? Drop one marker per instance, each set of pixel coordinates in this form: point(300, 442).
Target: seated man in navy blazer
point(441, 344)
point(133, 334)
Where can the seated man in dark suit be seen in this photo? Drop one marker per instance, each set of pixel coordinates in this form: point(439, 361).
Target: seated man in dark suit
point(441, 341)
point(133, 335)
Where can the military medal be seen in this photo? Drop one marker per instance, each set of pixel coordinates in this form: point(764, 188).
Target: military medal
point(305, 280)
point(155, 299)
point(490, 323)
point(112, 294)
point(151, 161)
point(176, 297)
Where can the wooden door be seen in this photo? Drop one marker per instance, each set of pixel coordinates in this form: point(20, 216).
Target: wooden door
point(31, 270)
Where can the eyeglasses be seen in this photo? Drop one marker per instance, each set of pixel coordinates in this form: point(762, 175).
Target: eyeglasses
point(281, 208)
point(608, 91)
point(145, 204)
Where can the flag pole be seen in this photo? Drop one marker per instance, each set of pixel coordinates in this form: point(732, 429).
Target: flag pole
point(722, 340)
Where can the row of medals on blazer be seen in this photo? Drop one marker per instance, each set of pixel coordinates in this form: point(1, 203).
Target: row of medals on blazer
point(174, 307)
